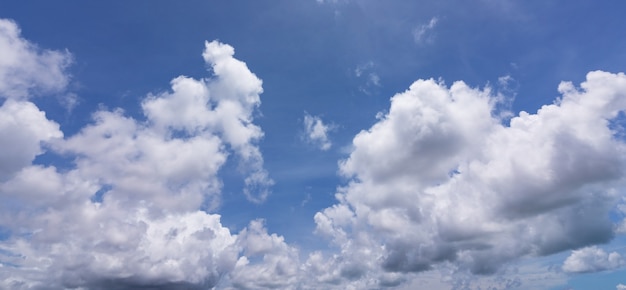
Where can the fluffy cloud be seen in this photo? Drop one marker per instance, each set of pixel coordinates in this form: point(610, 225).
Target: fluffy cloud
point(23, 131)
point(25, 69)
point(278, 265)
point(126, 213)
point(592, 259)
point(439, 183)
point(620, 287)
point(439, 180)
point(316, 132)
point(223, 105)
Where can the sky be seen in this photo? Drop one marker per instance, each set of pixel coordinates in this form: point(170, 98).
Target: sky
point(312, 144)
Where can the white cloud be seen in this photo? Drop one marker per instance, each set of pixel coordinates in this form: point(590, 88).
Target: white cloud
point(279, 265)
point(437, 184)
point(620, 287)
point(440, 180)
point(372, 80)
point(23, 129)
point(329, 1)
point(127, 213)
point(26, 70)
point(423, 33)
point(592, 259)
point(224, 105)
point(316, 132)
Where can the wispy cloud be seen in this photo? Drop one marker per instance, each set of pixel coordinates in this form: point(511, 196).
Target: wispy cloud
point(371, 79)
point(424, 33)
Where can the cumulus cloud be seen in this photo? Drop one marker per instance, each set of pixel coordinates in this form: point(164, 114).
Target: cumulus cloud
point(316, 132)
point(592, 259)
point(279, 263)
point(441, 180)
point(127, 213)
point(224, 105)
point(423, 33)
point(23, 131)
point(438, 183)
point(26, 70)
point(620, 287)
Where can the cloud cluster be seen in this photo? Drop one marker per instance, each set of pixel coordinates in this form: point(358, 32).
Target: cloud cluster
point(126, 212)
point(592, 259)
point(441, 181)
point(316, 132)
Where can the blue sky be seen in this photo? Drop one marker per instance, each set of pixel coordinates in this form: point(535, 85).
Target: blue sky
point(312, 144)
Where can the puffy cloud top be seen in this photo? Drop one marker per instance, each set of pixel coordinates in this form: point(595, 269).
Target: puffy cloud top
point(440, 179)
point(592, 259)
point(127, 213)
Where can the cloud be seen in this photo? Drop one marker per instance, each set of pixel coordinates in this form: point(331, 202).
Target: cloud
point(620, 228)
point(23, 131)
point(222, 105)
point(126, 213)
point(279, 266)
point(26, 70)
point(437, 189)
point(316, 132)
point(372, 80)
point(620, 287)
point(423, 33)
point(592, 259)
point(330, 1)
point(440, 180)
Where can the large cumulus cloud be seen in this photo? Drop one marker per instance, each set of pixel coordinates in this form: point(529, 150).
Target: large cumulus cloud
point(127, 212)
point(439, 180)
